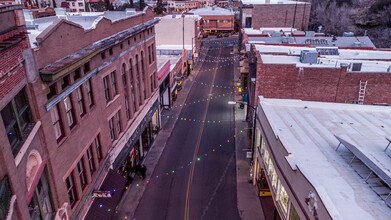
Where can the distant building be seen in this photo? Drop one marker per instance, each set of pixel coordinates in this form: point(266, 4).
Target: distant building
point(215, 19)
point(275, 13)
point(182, 6)
point(96, 95)
point(321, 160)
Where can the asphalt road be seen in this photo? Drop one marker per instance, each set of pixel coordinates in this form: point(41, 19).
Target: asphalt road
point(196, 171)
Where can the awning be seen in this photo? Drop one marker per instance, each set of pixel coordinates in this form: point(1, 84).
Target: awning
point(103, 208)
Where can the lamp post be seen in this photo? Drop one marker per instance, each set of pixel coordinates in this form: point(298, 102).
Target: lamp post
point(254, 124)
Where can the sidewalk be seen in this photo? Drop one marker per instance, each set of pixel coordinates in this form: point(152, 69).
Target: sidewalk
point(249, 205)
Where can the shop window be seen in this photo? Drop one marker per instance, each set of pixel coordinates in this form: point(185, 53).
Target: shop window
point(98, 148)
point(80, 102)
point(69, 111)
point(106, 88)
point(89, 93)
point(118, 120)
point(86, 67)
point(273, 176)
point(81, 173)
point(70, 184)
point(17, 121)
point(113, 83)
point(90, 159)
point(51, 91)
point(111, 127)
point(76, 74)
point(56, 122)
point(293, 213)
point(283, 198)
point(64, 82)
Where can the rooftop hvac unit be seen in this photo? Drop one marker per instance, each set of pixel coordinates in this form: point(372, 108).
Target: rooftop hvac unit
point(348, 34)
point(285, 40)
point(308, 56)
point(310, 33)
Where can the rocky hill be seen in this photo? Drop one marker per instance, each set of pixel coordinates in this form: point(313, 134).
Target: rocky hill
point(370, 17)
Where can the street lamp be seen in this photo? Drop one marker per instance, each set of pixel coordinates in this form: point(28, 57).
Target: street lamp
point(254, 124)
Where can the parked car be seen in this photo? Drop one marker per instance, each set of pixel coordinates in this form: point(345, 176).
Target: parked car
point(205, 36)
point(219, 36)
point(226, 35)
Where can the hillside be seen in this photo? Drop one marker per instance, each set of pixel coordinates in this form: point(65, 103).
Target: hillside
point(370, 17)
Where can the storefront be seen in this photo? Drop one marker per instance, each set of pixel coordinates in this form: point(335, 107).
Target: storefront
point(139, 143)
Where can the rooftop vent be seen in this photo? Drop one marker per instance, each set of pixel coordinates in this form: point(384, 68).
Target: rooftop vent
point(357, 44)
point(356, 66)
point(327, 51)
point(348, 34)
point(308, 56)
point(285, 40)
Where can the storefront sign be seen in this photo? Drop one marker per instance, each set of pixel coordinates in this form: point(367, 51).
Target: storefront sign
point(102, 194)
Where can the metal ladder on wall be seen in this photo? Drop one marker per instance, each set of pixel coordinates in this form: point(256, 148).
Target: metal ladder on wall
point(361, 92)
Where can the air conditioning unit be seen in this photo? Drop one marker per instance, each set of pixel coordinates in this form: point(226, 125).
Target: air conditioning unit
point(309, 56)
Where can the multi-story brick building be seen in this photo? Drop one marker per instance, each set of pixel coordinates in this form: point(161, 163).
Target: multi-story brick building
point(95, 91)
point(215, 19)
point(25, 190)
point(182, 6)
point(276, 13)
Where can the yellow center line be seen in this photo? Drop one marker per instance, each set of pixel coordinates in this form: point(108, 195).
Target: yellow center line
point(190, 180)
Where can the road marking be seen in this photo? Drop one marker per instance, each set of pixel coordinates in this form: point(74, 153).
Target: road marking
point(218, 186)
point(190, 180)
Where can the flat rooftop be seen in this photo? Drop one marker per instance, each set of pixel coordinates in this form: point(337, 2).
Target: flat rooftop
point(372, 60)
point(306, 130)
point(211, 11)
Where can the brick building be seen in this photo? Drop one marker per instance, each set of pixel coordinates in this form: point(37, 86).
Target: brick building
point(276, 13)
point(215, 19)
point(25, 191)
point(96, 94)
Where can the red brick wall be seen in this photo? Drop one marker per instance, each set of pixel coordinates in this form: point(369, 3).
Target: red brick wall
point(11, 66)
point(281, 15)
point(320, 84)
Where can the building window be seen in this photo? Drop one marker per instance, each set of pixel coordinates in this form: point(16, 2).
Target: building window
point(111, 126)
point(111, 51)
point(56, 122)
point(154, 79)
point(137, 81)
point(143, 74)
point(70, 183)
point(133, 100)
point(284, 198)
point(130, 72)
point(128, 41)
point(113, 83)
point(153, 53)
point(90, 160)
point(103, 55)
point(118, 120)
point(149, 55)
point(64, 82)
point(89, 93)
point(16, 117)
point(86, 67)
point(68, 109)
point(126, 92)
point(76, 74)
point(98, 148)
point(121, 46)
point(106, 88)
point(80, 171)
point(80, 102)
point(51, 91)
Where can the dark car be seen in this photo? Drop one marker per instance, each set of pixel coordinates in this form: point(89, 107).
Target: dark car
point(205, 36)
point(219, 36)
point(226, 35)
